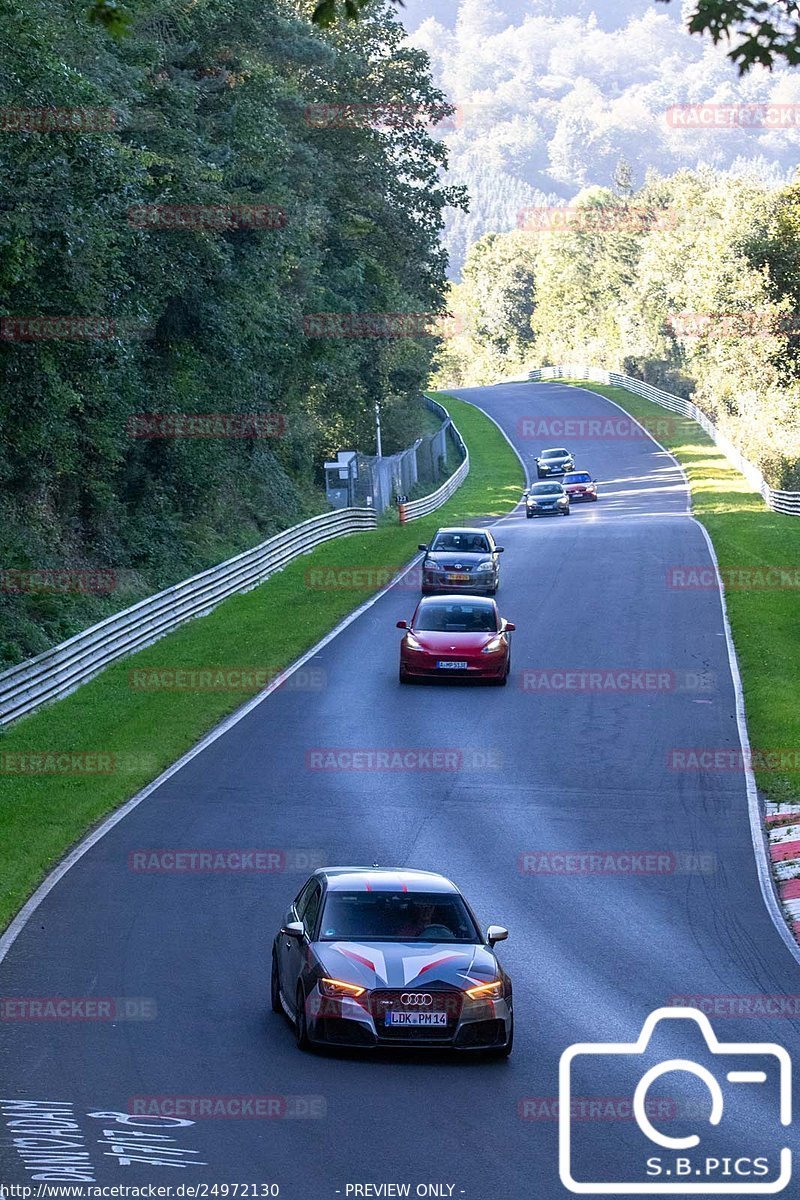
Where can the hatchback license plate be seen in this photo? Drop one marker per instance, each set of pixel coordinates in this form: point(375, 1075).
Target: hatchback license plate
point(452, 666)
point(415, 1018)
point(456, 578)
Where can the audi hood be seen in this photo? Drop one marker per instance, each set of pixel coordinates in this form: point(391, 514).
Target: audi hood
point(407, 964)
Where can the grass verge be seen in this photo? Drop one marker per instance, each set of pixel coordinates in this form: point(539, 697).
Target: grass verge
point(140, 731)
point(751, 542)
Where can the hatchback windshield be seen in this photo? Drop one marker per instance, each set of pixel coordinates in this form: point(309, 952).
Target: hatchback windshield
point(578, 477)
point(546, 489)
point(397, 917)
point(442, 617)
point(467, 543)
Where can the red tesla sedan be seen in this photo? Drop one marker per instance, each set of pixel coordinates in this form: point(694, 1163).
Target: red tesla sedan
point(456, 637)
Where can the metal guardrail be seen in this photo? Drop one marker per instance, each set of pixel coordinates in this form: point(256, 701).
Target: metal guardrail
point(58, 671)
point(412, 510)
point(774, 498)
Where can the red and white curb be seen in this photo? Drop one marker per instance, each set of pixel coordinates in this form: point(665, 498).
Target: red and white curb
point(783, 827)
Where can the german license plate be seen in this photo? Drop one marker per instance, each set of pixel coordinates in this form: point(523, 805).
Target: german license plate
point(415, 1018)
point(452, 666)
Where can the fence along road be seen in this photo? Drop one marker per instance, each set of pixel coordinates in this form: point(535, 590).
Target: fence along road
point(57, 672)
point(774, 498)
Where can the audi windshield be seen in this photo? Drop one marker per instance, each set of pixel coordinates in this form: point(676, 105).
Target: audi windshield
point(397, 917)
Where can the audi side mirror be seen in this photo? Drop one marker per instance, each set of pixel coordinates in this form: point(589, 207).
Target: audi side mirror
point(402, 624)
point(294, 929)
point(496, 933)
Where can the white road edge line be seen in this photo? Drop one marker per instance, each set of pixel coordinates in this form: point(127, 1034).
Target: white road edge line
point(24, 915)
point(19, 922)
point(757, 832)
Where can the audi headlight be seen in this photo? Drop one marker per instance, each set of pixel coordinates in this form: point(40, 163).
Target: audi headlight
point(494, 645)
point(487, 991)
point(337, 989)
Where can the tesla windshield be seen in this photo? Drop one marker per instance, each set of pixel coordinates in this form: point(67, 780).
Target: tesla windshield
point(397, 917)
point(456, 618)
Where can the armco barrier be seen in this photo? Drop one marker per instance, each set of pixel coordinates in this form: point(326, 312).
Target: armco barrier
point(59, 671)
point(412, 510)
point(778, 501)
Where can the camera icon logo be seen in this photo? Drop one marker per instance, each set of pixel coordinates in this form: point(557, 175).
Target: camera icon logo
point(677, 1170)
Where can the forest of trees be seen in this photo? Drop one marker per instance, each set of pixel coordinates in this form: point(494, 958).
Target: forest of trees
point(550, 94)
point(212, 103)
point(691, 283)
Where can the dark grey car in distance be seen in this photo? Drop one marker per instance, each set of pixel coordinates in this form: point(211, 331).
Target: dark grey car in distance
point(461, 560)
point(554, 462)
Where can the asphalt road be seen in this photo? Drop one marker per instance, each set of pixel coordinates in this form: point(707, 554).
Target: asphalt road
point(545, 768)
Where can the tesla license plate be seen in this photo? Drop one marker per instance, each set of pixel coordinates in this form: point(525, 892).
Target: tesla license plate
point(457, 578)
point(415, 1018)
point(452, 666)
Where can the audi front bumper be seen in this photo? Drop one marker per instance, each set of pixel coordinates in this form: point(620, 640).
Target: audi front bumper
point(362, 1023)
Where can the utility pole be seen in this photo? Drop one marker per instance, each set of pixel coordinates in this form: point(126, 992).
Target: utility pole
point(378, 447)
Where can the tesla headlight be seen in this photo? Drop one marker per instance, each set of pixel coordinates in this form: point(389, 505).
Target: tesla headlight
point(412, 643)
point(494, 645)
point(486, 566)
point(487, 991)
point(337, 989)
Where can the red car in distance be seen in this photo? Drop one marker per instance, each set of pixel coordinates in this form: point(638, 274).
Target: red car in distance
point(579, 485)
point(458, 638)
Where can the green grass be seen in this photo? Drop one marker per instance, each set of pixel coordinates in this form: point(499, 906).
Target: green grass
point(41, 816)
point(765, 622)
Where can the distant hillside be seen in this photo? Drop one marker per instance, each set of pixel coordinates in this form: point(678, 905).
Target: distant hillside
point(552, 96)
